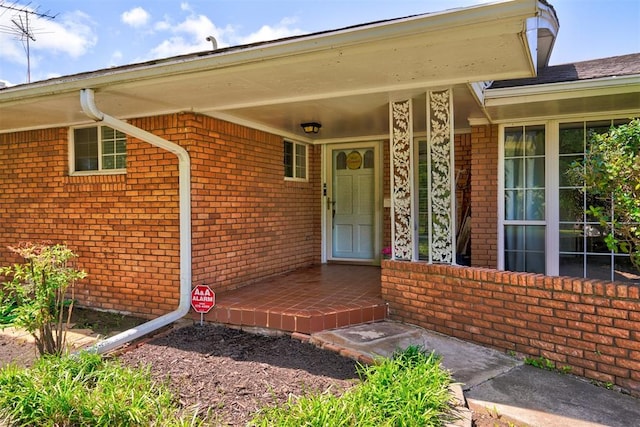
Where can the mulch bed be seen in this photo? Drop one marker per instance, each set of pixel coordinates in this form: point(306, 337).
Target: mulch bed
point(227, 373)
point(232, 373)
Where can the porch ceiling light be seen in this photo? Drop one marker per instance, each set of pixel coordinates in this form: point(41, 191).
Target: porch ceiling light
point(311, 127)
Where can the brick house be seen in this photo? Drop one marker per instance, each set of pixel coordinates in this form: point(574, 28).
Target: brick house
point(441, 136)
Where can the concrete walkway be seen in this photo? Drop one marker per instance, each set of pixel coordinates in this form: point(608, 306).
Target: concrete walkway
point(495, 381)
point(23, 350)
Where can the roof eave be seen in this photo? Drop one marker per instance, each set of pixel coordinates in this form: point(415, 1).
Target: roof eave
point(271, 50)
point(555, 99)
point(564, 90)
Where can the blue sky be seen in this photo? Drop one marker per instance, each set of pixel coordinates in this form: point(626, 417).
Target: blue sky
point(93, 34)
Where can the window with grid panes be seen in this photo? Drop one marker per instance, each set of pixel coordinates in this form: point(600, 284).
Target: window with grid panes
point(560, 238)
point(582, 248)
point(99, 148)
point(524, 199)
point(295, 160)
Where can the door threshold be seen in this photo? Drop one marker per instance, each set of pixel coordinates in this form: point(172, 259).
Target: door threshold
point(352, 262)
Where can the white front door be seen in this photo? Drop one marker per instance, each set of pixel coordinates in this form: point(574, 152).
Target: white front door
point(351, 202)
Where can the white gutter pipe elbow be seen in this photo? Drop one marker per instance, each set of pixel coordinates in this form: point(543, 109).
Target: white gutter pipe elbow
point(184, 183)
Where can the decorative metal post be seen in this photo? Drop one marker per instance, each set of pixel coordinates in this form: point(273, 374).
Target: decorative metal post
point(402, 230)
point(441, 177)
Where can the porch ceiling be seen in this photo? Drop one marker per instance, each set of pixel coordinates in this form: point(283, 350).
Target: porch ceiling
point(343, 79)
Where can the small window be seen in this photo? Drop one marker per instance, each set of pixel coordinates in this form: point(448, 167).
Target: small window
point(295, 160)
point(341, 161)
point(98, 149)
point(368, 159)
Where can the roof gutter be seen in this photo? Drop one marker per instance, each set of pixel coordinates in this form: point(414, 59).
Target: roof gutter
point(184, 183)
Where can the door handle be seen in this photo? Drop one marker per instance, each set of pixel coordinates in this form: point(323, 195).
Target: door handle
point(331, 204)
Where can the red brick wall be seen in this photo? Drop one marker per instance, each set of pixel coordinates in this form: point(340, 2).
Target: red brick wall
point(484, 196)
point(123, 227)
point(462, 151)
point(247, 221)
point(591, 326)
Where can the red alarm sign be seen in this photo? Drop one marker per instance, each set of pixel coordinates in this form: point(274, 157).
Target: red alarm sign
point(202, 299)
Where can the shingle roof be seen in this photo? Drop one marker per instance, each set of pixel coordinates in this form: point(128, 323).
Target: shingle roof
point(217, 51)
point(624, 65)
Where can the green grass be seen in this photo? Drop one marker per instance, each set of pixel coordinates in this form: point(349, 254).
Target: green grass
point(540, 363)
point(86, 390)
point(544, 363)
point(410, 389)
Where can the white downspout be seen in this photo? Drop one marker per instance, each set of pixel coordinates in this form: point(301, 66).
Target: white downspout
point(184, 184)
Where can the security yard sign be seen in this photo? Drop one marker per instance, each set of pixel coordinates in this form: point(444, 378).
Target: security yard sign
point(202, 299)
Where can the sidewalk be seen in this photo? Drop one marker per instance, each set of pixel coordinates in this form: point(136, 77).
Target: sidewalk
point(17, 345)
point(496, 382)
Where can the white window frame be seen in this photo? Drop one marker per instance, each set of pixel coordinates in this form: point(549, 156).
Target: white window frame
point(295, 158)
point(555, 124)
point(501, 220)
point(72, 155)
point(552, 182)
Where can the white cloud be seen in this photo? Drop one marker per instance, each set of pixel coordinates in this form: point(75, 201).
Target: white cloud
point(12, 49)
point(116, 58)
point(171, 47)
point(75, 35)
point(71, 34)
point(162, 25)
point(267, 32)
point(187, 36)
point(196, 27)
point(190, 34)
point(136, 17)
point(52, 75)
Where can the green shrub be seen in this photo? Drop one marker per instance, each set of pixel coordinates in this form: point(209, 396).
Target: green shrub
point(610, 176)
point(34, 298)
point(410, 389)
point(86, 390)
point(7, 312)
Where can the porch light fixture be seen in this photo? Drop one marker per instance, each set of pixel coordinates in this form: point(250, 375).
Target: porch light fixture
point(311, 127)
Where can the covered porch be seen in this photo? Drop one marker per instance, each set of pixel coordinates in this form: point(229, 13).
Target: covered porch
point(307, 300)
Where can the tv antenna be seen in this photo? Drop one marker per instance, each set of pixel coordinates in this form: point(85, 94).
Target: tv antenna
point(22, 27)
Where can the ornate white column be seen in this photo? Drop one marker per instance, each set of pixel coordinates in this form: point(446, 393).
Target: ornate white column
point(401, 141)
point(441, 177)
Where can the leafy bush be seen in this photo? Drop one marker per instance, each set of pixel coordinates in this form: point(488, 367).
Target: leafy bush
point(34, 298)
point(86, 390)
point(7, 312)
point(410, 389)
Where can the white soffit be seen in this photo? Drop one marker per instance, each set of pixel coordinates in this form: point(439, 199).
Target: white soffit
point(611, 94)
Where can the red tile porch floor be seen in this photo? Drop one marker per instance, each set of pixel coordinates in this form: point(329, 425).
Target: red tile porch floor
point(307, 300)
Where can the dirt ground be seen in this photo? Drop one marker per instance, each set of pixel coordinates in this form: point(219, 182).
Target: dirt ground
point(19, 348)
point(230, 374)
point(235, 373)
point(16, 351)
